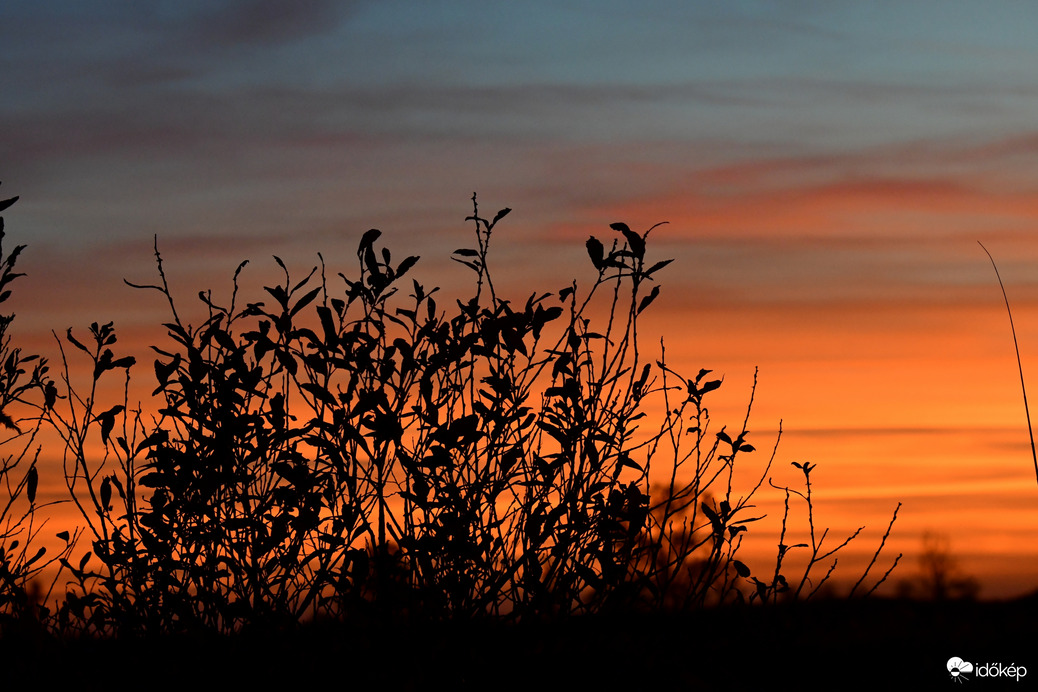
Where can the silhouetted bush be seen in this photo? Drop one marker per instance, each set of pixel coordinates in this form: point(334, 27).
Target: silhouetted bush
point(350, 448)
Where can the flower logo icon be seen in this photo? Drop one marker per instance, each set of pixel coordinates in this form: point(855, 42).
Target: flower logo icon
point(957, 667)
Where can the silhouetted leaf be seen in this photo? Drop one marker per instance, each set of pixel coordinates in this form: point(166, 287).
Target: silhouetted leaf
point(107, 421)
point(39, 553)
point(643, 378)
point(32, 479)
point(368, 239)
point(552, 313)
point(647, 300)
point(502, 386)
point(319, 392)
point(74, 342)
point(8, 422)
point(500, 215)
point(163, 371)
point(106, 493)
point(328, 325)
point(656, 267)
point(304, 301)
point(626, 460)
point(404, 266)
point(596, 251)
point(715, 521)
point(634, 242)
point(279, 295)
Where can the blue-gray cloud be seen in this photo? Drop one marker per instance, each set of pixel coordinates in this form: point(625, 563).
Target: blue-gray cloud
point(268, 21)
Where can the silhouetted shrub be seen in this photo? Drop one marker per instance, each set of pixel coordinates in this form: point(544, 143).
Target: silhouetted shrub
point(350, 448)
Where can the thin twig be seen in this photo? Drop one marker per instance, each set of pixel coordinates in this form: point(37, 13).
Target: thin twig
point(875, 556)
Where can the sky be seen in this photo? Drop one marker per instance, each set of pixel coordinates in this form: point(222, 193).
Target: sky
point(826, 170)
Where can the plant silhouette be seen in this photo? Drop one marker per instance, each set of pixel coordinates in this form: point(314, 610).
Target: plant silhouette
point(1019, 362)
point(24, 388)
point(346, 447)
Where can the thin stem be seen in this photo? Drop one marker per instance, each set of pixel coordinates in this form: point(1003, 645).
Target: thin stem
point(1019, 364)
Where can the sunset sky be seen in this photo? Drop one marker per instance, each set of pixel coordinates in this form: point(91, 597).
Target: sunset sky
point(826, 170)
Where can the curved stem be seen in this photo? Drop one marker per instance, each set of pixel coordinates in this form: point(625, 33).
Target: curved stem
point(1019, 364)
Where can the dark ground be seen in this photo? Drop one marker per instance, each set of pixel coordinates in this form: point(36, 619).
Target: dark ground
point(871, 644)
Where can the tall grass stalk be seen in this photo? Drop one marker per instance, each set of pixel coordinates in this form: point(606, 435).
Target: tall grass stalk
point(1019, 363)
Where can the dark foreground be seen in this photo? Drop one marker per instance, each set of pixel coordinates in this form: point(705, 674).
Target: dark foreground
point(874, 644)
